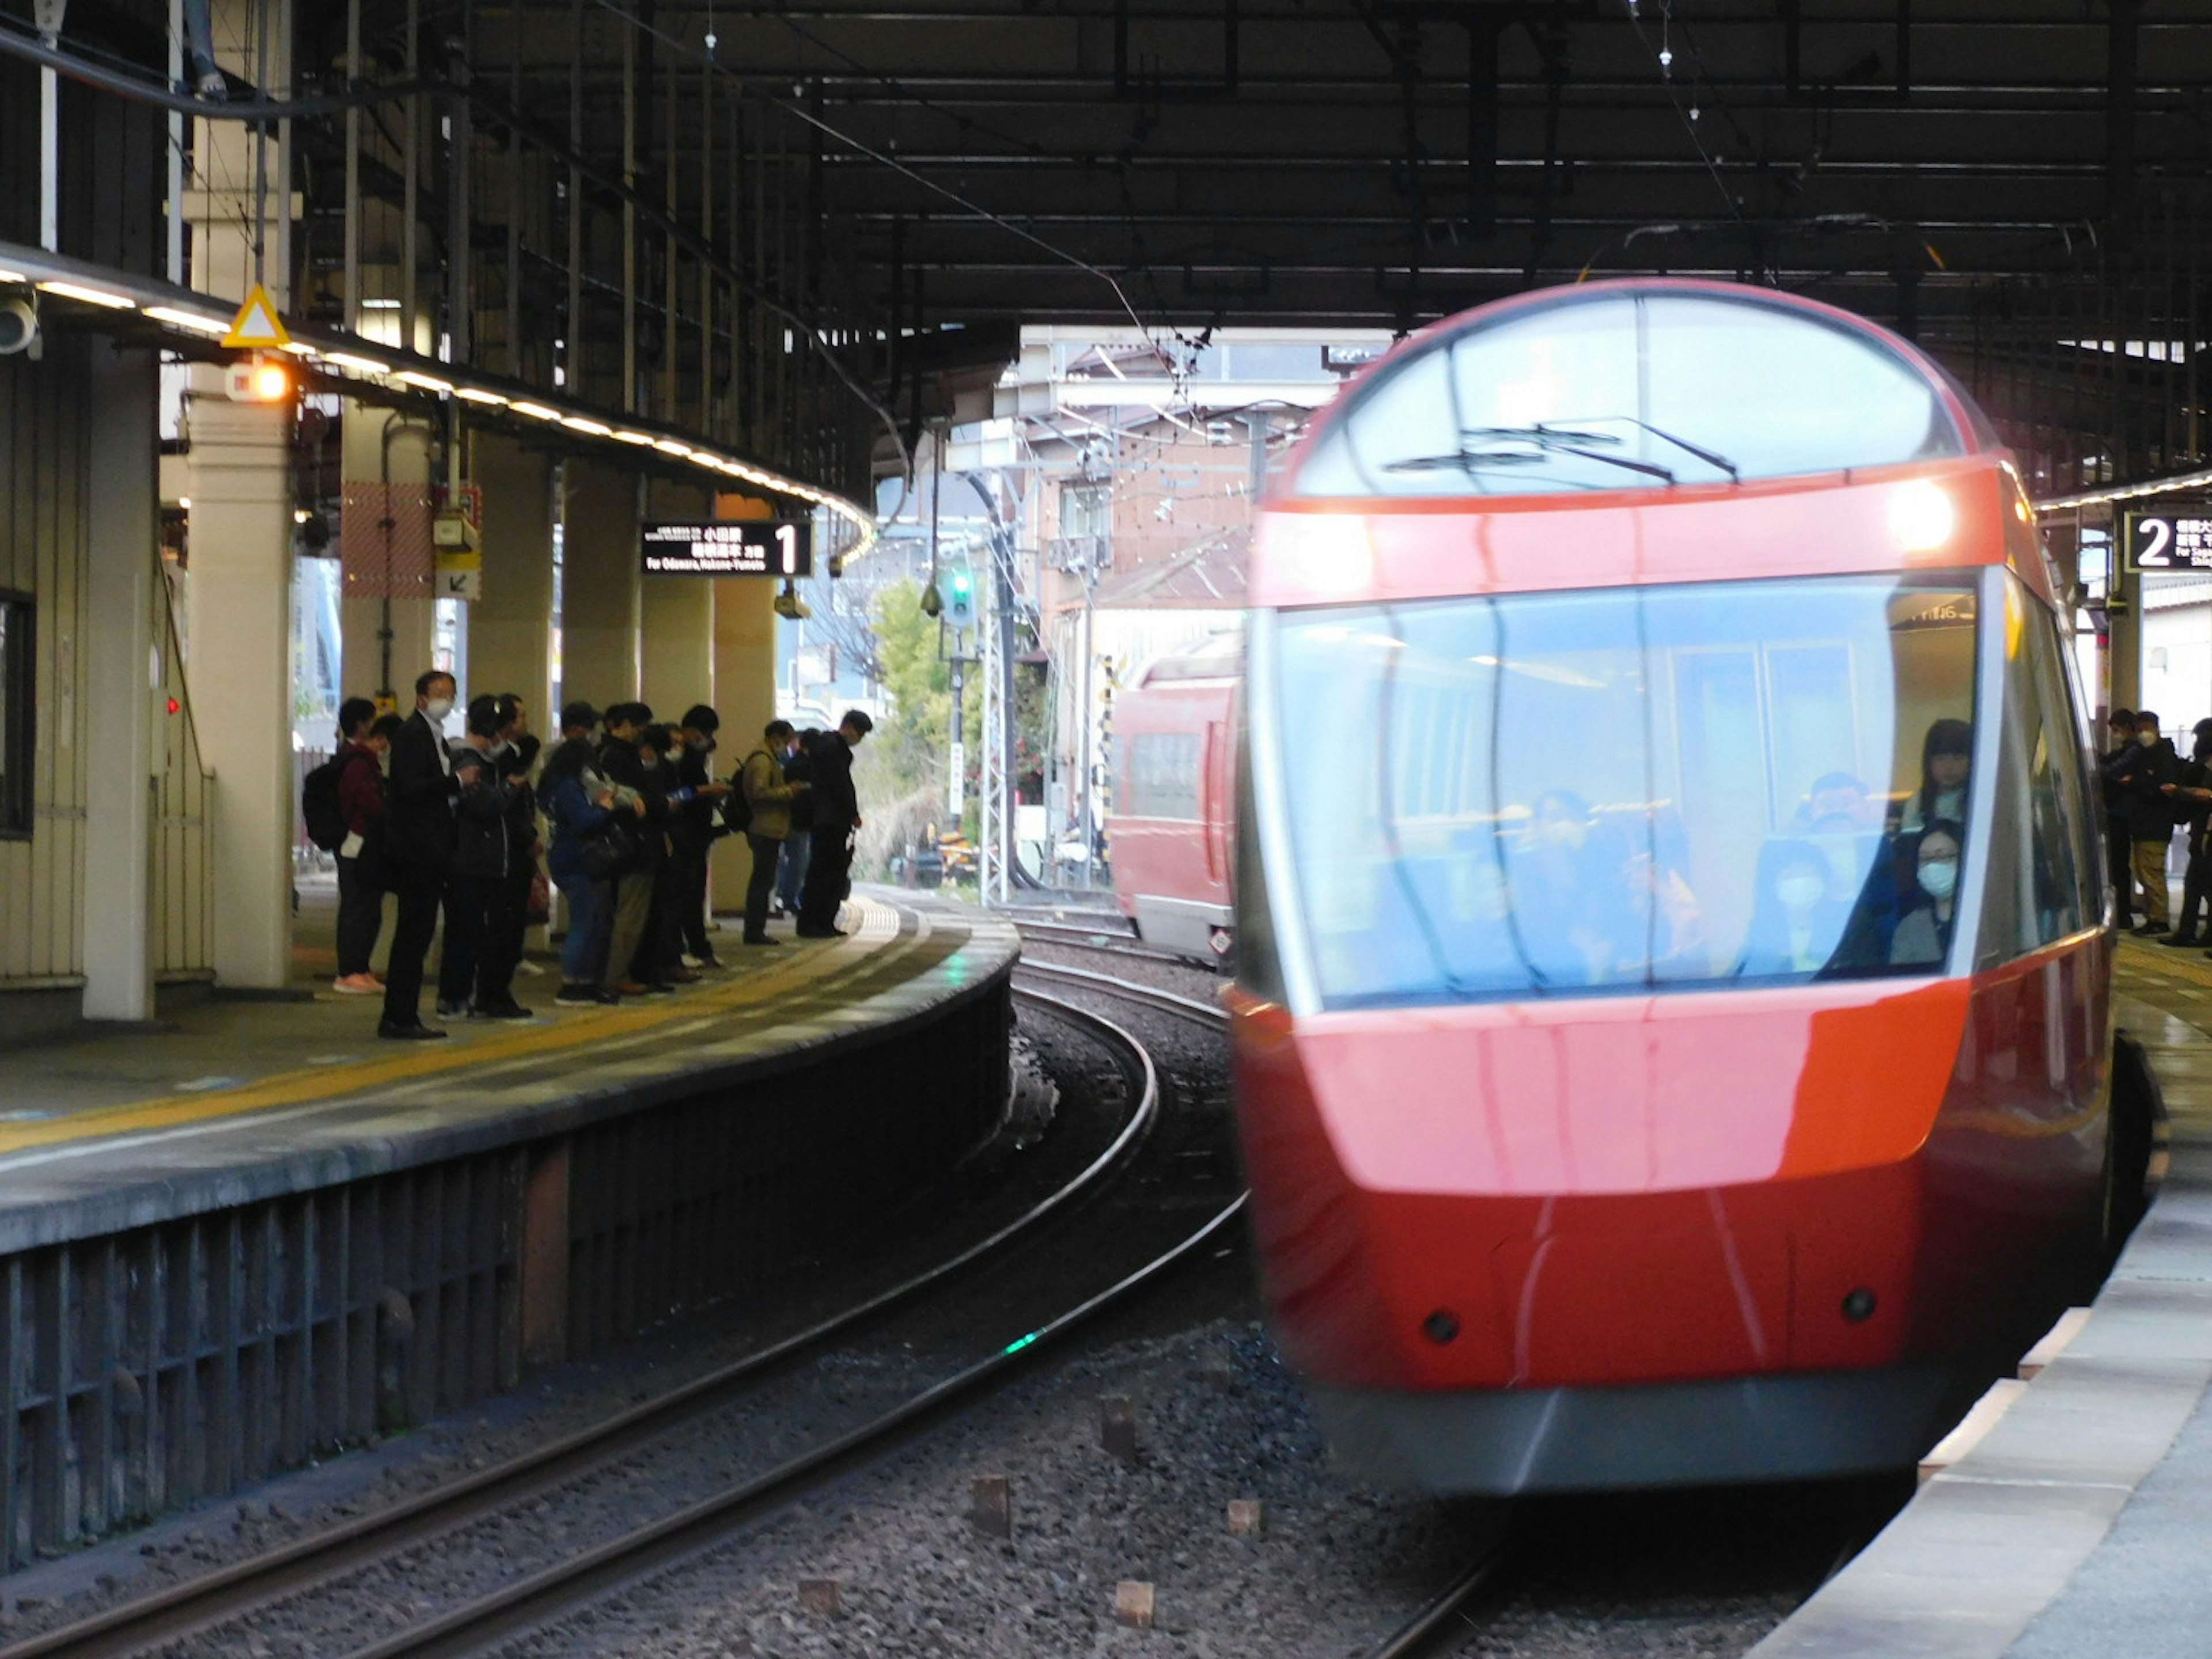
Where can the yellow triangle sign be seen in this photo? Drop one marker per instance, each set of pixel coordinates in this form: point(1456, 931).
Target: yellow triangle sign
point(257, 324)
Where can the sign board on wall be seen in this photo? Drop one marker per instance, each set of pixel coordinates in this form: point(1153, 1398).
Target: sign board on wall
point(2172, 540)
point(729, 547)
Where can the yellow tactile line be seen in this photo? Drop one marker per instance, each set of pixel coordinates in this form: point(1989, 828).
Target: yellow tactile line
point(2154, 960)
point(337, 1083)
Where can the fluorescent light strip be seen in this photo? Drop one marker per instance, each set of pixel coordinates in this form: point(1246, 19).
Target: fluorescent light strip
point(91, 296)
point(535, 411)
point(359, 365)
point(13, 276)
point(669, 447)
point(193, 321)
point(414, 377)
point(584, 424)
point(477, 394)
point(623, 436)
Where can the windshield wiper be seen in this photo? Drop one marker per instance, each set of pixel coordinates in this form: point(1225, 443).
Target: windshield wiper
point(1545, 441)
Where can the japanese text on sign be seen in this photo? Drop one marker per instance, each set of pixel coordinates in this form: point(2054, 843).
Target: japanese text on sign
point(2168, 541)
point(737, 547)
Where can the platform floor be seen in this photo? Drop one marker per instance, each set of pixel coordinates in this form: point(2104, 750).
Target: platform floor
point(237, 1100)
point(2082, 1523)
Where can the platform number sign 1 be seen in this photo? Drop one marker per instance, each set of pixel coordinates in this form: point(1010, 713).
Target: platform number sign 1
point(2167, 541)
point(729, 547)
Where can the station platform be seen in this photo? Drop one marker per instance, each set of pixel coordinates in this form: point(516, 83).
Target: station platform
point(258, 1231)
point(2081, 1521)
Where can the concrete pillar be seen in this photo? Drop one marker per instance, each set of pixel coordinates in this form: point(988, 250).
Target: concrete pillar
point(377, 447)
point(125, 533)
point(511, 627)
point(2125, 668)
point(600, 598)
point(745, 689)
point(676, 618)
point(239, 600)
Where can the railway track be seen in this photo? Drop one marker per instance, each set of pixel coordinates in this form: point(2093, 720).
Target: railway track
point(1112, 936)
point(261, 1585)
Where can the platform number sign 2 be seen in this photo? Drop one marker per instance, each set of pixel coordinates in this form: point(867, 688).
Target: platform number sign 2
point(2167, 541)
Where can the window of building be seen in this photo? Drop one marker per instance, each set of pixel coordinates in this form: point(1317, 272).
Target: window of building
point(18, 713)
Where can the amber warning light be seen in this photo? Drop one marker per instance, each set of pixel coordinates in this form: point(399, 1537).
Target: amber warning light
point(259, 380)
point(730, 547)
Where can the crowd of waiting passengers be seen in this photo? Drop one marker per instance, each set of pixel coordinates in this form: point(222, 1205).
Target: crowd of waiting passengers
point(621, 815)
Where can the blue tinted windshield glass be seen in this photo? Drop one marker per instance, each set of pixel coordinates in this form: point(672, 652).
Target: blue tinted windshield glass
point(1638, 788)
point(1628, 390)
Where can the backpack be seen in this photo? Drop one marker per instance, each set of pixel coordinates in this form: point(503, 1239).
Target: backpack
point(736, 808)
point(318, 805)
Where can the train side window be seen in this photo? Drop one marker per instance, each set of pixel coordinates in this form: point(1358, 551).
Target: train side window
point(2038, 890)
point(1162, 780)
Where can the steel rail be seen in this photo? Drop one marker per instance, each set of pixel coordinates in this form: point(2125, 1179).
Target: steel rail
point(1075, 936)
point(489, 1622)
point(185, 1609)
point(1430, 1620)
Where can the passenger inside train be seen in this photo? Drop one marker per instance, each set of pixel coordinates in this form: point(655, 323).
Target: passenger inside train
point(1636, 789)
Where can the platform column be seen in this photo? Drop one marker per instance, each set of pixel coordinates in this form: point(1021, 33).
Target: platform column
point(511, 626)
point(676, 618)
point(745, 688)
point(600, 598)
point(383, 445)
point(123, 532)
point(240, 668)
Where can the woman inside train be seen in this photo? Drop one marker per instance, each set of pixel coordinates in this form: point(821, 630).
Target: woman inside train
point(1923, 930)
point(1946, 756)
point(1797, 922)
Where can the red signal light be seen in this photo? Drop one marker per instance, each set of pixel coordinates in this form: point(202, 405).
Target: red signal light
point(174, 706)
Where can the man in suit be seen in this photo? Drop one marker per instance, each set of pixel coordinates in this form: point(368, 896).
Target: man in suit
point(836, 816)
point(418, 850)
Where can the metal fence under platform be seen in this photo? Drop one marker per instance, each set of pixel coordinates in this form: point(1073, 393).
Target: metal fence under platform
point(149, 1369)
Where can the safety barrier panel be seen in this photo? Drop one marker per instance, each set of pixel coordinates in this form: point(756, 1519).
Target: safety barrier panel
point(146, 1370)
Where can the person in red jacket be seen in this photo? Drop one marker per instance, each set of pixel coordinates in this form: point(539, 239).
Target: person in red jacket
point(366, 738)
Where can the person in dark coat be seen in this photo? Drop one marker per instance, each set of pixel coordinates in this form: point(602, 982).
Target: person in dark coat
point(2141, 773)
point(515, 755)
point(474, 976)
point(798, 763)
point(2191, 794)
point(2119, 866)
point(418, 850)
point(836, 817)
point(623, 764)
point(693, 830)
point(361, 802)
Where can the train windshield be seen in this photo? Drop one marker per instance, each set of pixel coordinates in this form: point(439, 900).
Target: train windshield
point(1631, 788)
point(1623, 390)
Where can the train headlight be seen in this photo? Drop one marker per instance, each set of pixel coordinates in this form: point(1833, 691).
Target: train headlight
point(1325, 554)
point(1922, 516)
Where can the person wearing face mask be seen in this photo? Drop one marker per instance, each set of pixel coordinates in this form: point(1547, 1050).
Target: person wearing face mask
point(693, 831)
point(1795, 924)
point(2140, 772)
point(474, 976)
point(2190, 798)
point(1924, 931)
point(418, 850)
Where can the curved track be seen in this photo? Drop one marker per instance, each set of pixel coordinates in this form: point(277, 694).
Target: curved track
point(302, 1568)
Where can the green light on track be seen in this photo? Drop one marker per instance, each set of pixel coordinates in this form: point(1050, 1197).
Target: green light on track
point(1019, 1343)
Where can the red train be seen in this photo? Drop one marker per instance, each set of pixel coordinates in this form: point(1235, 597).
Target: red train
point(1671, 1007)
point(1169, 834)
